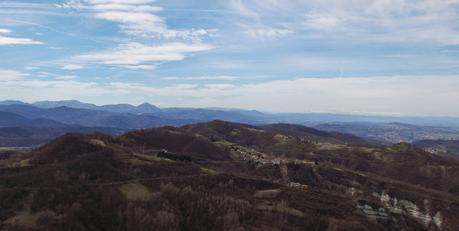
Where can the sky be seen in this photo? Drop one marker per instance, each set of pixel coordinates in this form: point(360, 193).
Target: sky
point(385, 57)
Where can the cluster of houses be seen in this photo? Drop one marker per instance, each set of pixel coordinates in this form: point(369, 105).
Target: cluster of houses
point(262, 159)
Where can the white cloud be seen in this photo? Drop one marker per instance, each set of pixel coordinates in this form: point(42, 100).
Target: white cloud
point(267, 33)
point(30, 68)
point(136, 55)
point(138, 18)
point(409, 95)
point(204, 78)
point(4, 31)
point(260, 18)
point(72, 67)
point(323, 22)
point(126, 6)
point(140, 67)
point(406, 95)
point(121, 1)
point(11, 75)
point(8, 40)
point(33, 90)
point(239, 7)
point(66, 77)
point(375, 20)
point(44, 74)
point(137, 23)
point(5, 40)
point(134, 17)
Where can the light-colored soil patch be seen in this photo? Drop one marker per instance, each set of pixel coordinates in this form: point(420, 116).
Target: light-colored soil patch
point(281, 207)
point(28, 220)
point(14, 162)
point(234, 133)
point(331, 147)
point(270, 193)
point(367, 150)
point(208, 171)
point(136, 192)
point(24, 163)
point(174, 132)
point(255, 130)
point(281, 138)
point(97, 142)
point(147, 157)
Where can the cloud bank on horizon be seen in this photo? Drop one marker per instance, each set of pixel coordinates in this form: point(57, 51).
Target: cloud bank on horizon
point(359, 56)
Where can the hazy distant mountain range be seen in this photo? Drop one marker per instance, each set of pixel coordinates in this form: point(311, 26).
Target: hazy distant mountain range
point(250, 116)
point(72, 115)
point(121, 108)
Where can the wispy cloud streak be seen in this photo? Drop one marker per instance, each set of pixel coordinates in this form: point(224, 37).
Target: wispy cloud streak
point(8, 40)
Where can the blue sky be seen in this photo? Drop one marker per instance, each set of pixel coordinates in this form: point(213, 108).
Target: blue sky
point(397, 57)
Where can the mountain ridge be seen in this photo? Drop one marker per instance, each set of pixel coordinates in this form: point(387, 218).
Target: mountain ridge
point(310, 119)
point(226, 176)
point(54, 114)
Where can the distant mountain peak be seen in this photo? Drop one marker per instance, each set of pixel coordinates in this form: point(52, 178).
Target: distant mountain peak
point(147, 105)
point(64, 103)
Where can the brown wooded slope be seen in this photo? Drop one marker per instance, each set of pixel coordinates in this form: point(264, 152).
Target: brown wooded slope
point(226, 176)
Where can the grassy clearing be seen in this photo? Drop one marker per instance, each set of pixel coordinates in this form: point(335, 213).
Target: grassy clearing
point(24, 163)
point(14, 162)
point(270, 193)
point(281, 207)
point(28, 221)
point(16, 148)
point(367, 150)
point(331, 147)
point(147, 157)
point(136, 192)
point(256, 130)
point(224, 143)
point(208, 171)
point(97, 142)
point(281, 138)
